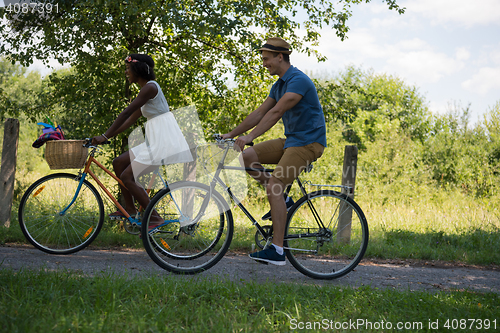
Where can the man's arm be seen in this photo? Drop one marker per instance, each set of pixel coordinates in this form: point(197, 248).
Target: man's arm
point(252, 119)
point(288, 101)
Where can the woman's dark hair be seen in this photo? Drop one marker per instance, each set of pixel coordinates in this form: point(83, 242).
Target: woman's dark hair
point(142, 65)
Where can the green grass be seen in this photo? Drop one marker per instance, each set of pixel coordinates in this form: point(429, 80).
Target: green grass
point(444, 225)
point(112, 235)
point(66, 302)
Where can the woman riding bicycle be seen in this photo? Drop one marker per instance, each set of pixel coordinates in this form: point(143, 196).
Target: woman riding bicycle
point(164, 144)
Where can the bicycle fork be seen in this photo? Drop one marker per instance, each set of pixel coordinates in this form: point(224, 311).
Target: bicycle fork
point(77, 192)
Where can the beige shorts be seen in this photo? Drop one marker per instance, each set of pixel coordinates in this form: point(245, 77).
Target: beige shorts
point(290, 161)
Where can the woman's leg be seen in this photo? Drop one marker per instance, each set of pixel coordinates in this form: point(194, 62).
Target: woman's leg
point(120, 164)
point(135, 190)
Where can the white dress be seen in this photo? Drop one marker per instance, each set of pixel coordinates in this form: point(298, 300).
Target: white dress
point(164, 141)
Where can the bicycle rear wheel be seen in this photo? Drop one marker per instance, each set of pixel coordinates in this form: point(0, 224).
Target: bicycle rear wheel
point(326, 235)
point(51, 229)
point(205, 234)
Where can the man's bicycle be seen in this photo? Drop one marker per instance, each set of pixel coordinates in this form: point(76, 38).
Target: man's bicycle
point(325, 238)
point(63, 213)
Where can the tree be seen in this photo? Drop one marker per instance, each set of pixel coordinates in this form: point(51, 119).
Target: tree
point(197, 45)
point(368, 103)
point(461, 155)
point(19, 90)
point(16, 92)
point(491, 125)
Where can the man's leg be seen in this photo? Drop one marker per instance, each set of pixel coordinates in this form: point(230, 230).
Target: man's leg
point(291, 163)
point(267, 152)
point(274, 254)
point(274, 190)
point(251, 160)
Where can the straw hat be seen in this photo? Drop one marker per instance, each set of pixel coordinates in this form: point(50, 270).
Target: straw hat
point(276, 44)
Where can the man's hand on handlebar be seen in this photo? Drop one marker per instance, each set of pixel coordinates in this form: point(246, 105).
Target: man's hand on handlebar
point(242, 141)
point(239, 143)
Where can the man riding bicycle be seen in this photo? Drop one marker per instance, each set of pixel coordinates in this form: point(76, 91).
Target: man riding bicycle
point(294, 99)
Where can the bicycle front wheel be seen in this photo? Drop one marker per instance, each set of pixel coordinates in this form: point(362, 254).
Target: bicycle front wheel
point(326, 235)
point(52, 223)
point(197, 228)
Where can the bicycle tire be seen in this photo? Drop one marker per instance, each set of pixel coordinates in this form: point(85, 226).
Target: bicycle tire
point(328, 251)
point(195, 247)
point(50, 231)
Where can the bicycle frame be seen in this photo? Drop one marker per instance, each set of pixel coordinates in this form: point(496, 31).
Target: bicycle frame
point(87, 171)
point(325, 225)
point(217, 180)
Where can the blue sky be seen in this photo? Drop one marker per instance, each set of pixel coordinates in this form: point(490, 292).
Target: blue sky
point(449, 49)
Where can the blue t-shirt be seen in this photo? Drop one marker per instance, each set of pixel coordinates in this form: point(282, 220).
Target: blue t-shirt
point(305, 122)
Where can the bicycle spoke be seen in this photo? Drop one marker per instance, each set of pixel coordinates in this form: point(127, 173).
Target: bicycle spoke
point(322, 250)
point(46, 229)
point(194, 247)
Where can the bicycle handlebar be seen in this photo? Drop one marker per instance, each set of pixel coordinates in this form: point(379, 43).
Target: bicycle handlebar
point(88, 143)
point(218, 138)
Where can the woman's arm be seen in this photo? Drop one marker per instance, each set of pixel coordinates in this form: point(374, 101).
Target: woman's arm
point(130, 115)
point(130, 121)
point(147, 92)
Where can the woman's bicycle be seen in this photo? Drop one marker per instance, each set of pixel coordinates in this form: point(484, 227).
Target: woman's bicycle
point(63, 213)
point(325, 238)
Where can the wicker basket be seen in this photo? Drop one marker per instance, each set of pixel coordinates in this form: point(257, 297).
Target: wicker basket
point(66, 154)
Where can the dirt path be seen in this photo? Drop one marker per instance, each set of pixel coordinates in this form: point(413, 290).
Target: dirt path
point(402, 275)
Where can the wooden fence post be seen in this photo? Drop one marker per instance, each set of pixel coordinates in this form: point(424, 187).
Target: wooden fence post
point(348, 179)
point(8, 169)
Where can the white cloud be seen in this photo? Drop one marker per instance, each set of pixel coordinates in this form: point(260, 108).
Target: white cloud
point(438, 107)
point(423, 65)
point(486, 55)
point(412, 44)
point(462, 53)
point(464, 12)
point(413, 59)
point(485, 80)
point(495, 56)
point(377, 8)
point(391, 22)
